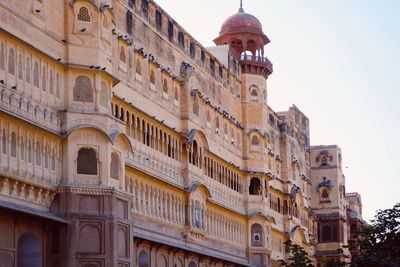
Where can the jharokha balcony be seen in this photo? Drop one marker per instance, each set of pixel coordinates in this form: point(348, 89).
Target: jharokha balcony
point(256, 65)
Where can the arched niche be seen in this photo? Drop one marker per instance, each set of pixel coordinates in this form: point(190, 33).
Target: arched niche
point(143, 259)
point(255, 186)
point(29, 251)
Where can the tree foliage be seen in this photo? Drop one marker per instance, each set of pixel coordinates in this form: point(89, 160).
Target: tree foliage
point(378, 244)
point(298, 256)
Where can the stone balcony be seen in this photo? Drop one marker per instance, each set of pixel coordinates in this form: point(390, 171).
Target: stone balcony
point(256, 65)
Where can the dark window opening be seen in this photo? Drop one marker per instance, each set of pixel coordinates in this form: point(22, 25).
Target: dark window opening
point(181, 40)
point(170, 31)
point(158, 20)
point(145, 8)
point(212, 67)
point(87, 161)
point(192, 50)
point(255, 186)
point(131, 3)
point(203, 56)
point(271, 119)
point(220, 72)
point(144, 259)
point(129, 22)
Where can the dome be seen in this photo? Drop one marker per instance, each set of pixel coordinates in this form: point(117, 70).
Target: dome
point(241, 22)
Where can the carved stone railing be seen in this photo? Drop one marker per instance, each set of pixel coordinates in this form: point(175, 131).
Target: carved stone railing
point(13, 102)
point(225, 196)
point(155, 164)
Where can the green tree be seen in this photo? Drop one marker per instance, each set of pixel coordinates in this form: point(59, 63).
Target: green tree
point(329, 262)
point(378, 244)
point(298, 256)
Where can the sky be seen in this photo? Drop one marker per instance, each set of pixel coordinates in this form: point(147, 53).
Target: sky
point(338, 61)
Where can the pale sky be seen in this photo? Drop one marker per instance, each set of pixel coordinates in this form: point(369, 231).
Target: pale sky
point(338, 61)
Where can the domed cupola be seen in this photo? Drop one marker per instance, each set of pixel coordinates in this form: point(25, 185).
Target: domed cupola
point(244, 34)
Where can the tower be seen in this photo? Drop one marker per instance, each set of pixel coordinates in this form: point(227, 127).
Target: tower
point(244, 36)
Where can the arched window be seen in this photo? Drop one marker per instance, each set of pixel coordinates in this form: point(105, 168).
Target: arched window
point(254, 95)
point(29, 251)
point(285, 207)
point(165, 87)
point(255, 186)
point(114, 166)
point(87, 161)
point(192, 264)
point(83, 91)
point(36, 74)
point(255, 142)
point(256, 235)
point(152, 77)
point(143, 259)
point(161, 261)
point(325, 194)
point(122, 56)
point(13, 145)
point(38, 155)
point(195, 154)
point(83, 14)
point(11, 61)
point(279, 205)
point(324, 161)
point(138, 67)
point(176, 94)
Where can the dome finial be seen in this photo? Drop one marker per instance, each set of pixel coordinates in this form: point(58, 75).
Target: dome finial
point(241, 6)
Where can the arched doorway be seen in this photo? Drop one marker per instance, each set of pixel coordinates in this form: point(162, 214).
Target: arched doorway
point(29, 251)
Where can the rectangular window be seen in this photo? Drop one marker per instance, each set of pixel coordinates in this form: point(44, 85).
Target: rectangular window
point(131, 3)
point(212, 67)
point(181, 40)
point(192, 50)
point(145, 8)
point(170, 31)
point(158, 20)
point(129, 22)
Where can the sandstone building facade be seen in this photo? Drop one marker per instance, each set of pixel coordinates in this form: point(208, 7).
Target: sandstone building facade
point(125, 142)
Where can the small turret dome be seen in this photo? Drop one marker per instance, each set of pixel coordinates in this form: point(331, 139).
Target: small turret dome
point(241, 22)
